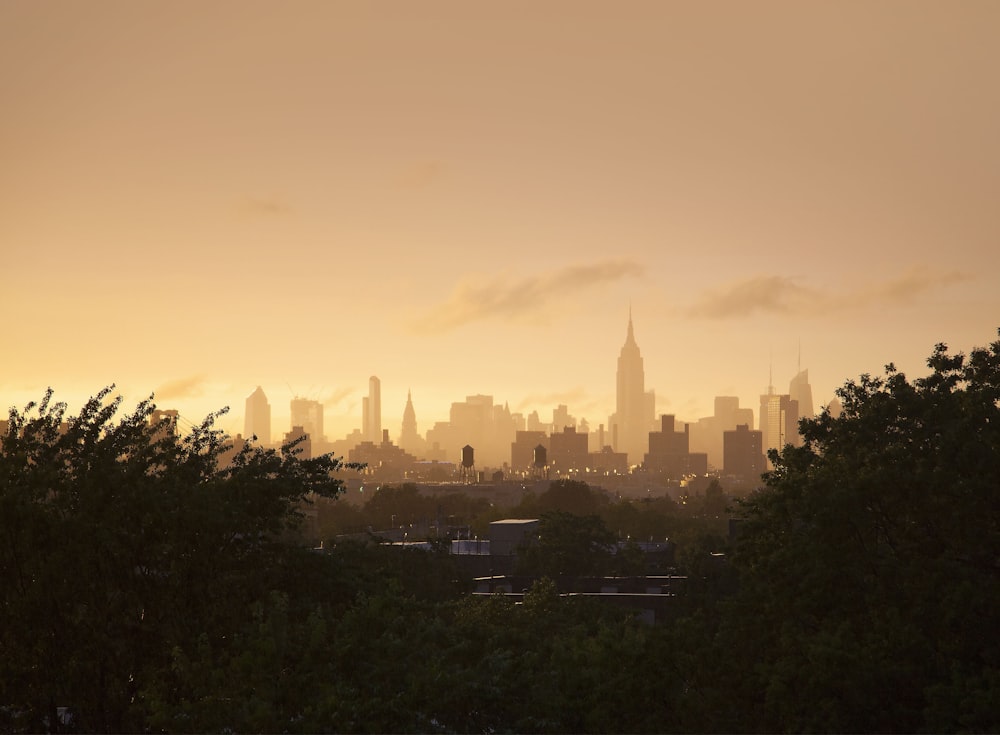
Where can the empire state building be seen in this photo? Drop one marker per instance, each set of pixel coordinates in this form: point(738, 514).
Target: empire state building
point(635, 406)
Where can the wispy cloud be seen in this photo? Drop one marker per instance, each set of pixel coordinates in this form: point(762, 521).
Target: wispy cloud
point(786, 295)
point(189, 387)
point(334, 398)
point(503, 298)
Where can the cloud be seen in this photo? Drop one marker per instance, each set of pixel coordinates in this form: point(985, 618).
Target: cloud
point(770, 294)
point(332, 399)
point(501, 298)
point(189, 387)
point(785, 295)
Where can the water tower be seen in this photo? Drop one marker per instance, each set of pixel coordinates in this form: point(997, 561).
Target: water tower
point(468, 464)
point(540, 462)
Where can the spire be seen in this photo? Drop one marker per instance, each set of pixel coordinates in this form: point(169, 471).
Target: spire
point(630, 337)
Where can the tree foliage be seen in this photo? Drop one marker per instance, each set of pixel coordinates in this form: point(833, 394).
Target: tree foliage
point(872, 559)
point(121, 539)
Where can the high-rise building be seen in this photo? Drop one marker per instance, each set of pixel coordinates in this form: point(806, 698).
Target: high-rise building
point(371, 407)
point(779, 420)
point(308, 414)
point(800, 390)
point(409, 437)
point(257, 419)
point(634, 406)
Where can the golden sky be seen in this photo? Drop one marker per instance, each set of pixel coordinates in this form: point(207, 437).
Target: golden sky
point(200, 197)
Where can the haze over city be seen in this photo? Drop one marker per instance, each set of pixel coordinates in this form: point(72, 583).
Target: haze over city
point(196, 199)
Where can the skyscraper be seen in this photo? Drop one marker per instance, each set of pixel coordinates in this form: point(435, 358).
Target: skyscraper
point(257, 419)
point(634, 406)
point(409, 438)
point(309, 415)
point(800, 390)
point(779, 421)
point(371, 407)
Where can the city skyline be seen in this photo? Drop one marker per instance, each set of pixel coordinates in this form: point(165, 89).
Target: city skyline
point(467, 199)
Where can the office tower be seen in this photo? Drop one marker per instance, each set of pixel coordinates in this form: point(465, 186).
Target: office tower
point(632, 418)
point(800, 390)
point(257, 421)
point(409, 438)
point(309, 415)
point(779, 421)
point(371, 407)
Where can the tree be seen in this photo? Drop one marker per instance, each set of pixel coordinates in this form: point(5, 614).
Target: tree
point(121, 542)
point(870, 561)
point(568, 546)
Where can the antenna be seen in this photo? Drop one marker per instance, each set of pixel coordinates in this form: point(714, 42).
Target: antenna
point(770, 372)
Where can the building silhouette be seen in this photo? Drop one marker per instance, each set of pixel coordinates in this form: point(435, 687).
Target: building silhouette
point(743, 451)
point(779, 421)
point(568, 451)
point(669, 452)
point(371, 410)
point(308, 415)
point(800, 390)
point(257, 417)
point(409, 438)
point(304, 447)
point(522, 450)
point(707, 432)
point(634, 406)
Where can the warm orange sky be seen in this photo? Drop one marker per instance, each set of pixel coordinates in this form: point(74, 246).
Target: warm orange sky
point(200, 197)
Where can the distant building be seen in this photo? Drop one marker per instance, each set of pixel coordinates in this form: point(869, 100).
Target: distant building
point(568, 451)
point(304, 447)
point(799, 390)
point(371, 407)
point(744, 453)
point(308, 415)
point(779, 420)
point(634, 406)
point(409, 438)
point(257, 418)
point(522, 450)
point(477, 421)
point(706, 433)
point(608, 462)
point(669, 452)
point(384, 460)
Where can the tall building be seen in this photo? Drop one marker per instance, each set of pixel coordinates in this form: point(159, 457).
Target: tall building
point(634, 406)
point(409, 437)
point(257, 419)
point(308, 414)
point(800, 390)
point(779, 420)
point(371, 407)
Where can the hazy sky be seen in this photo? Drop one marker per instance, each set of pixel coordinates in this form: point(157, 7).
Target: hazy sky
point(200, 197)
